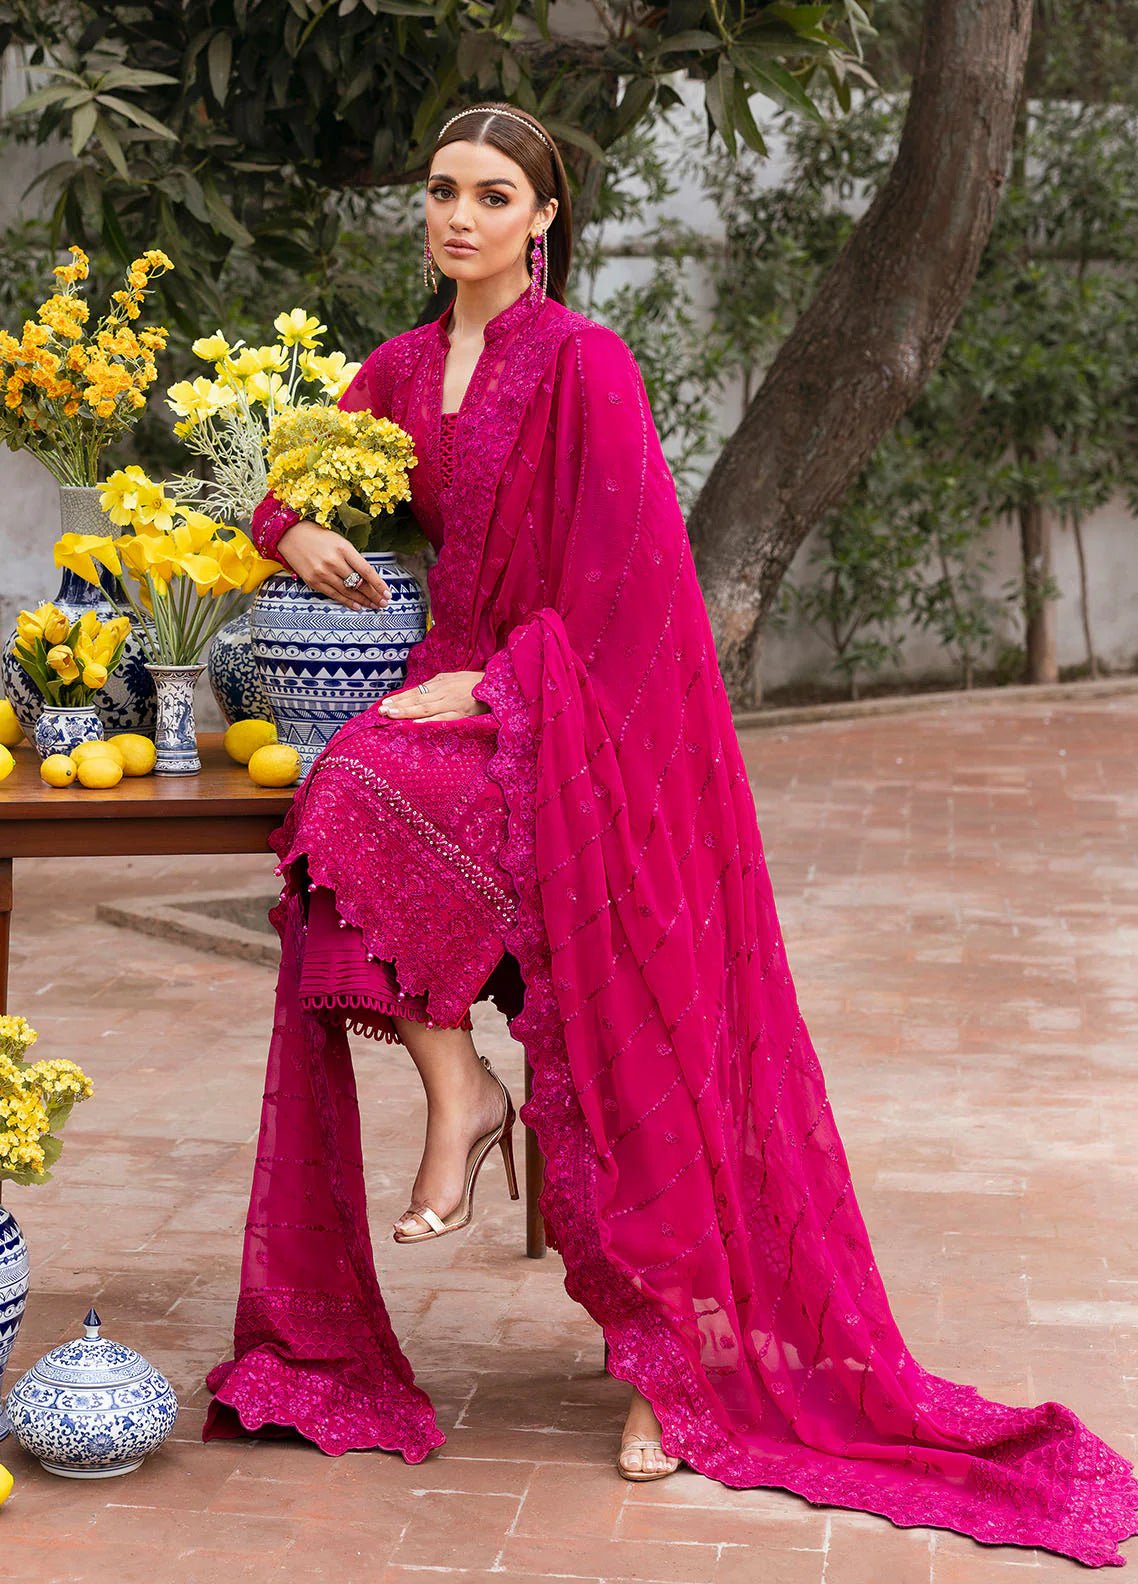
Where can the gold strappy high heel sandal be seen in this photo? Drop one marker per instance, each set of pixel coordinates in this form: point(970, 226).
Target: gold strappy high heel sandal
point(503, 1136)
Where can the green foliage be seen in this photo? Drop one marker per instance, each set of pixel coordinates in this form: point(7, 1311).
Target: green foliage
point(206, 129)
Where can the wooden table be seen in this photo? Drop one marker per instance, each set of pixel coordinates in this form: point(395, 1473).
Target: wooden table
point(218, 810)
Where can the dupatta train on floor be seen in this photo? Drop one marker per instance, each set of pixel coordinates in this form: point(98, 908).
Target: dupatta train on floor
point(696, 1185)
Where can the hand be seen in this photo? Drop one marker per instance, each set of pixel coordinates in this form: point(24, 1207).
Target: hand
point(449, 698)
point(323, 558)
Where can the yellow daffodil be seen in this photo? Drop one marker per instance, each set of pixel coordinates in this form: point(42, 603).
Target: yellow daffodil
point(130, 498)
point(298, 327)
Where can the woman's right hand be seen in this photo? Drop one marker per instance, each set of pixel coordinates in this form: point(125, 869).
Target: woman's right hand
point(323, 558)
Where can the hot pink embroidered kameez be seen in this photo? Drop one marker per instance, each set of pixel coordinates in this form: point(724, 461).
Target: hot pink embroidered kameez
point(588, 854)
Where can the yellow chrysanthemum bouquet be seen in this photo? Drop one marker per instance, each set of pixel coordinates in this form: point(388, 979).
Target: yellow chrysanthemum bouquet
point(35, 1101)
point(68, 394)
point(69, 661)
point(267, 420)
point(192, 573)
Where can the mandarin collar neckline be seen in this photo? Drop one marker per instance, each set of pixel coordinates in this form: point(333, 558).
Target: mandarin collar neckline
point(514, 313)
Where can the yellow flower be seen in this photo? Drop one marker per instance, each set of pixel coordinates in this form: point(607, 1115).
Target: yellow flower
point(298, 326)
point(56, 628)
point(79, 553)
point(129, 497)
point(211, 348)
point(263, 388)
point(94, 674)
point(75, 271)
point(198, 399)
point(62, 662)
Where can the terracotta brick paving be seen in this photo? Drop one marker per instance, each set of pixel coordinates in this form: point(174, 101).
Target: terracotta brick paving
point(960, 896)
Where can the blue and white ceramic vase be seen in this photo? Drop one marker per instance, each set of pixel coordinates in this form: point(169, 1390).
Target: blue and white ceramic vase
point(233, 677)
point(127, 701)
point(62, 727)
point(13, 1297)
point(175, 737)
point(321, 663)
point(92, 1408)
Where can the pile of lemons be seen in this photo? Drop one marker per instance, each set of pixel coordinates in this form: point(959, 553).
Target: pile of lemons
point(102, 762)
point(254, 744)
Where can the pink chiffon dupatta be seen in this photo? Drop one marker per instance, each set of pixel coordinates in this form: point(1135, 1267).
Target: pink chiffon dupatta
point(696, 1185)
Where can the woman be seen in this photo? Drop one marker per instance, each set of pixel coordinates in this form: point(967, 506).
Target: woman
point(554, 813)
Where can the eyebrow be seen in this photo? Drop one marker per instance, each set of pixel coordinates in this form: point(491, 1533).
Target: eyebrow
point(492, 181)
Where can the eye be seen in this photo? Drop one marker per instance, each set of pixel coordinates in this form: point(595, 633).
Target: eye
point(438, 192)
point(501, 197)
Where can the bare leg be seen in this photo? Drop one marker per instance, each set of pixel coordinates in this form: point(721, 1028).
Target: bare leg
point(463, 1103)
point(642, 1421)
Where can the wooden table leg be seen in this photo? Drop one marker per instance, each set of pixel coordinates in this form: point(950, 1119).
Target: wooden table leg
point(5, 927)
point(535, 1176)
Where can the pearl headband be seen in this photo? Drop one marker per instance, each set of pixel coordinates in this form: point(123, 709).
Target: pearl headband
point(482, 110)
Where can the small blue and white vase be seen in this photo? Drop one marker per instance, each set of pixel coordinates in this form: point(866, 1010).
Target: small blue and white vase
point(13, 1297)
point(321, 663)
point(125, 703)
point(175, 737)
point(92, 1408)
point(62, 727)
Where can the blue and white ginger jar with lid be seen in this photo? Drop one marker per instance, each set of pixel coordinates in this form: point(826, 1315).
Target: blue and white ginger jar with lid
point(92, 1408)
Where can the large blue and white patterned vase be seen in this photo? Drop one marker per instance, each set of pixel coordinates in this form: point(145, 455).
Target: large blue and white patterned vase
point(127, 702)
point(175, 737)
point(321, 663)
point(92, 1408)
point(233, 677)
point(62, 727)
point(13, 1297)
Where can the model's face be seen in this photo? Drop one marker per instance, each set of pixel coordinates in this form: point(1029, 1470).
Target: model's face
point(480, 211)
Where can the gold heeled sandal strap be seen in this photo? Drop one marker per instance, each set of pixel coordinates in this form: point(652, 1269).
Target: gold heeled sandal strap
point(434, 1221)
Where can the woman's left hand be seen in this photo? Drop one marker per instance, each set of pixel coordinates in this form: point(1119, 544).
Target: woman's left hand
point(448, 698)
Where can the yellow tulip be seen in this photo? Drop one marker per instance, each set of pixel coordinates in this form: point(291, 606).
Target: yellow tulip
point(94, 674)
point(56, 628)
point(29, 627)
point(62, 662)
point(89, 624)
point(79, 553)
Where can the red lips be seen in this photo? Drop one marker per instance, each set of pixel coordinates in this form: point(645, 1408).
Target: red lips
point(460, 247)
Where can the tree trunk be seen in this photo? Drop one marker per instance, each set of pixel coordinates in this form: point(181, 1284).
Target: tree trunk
point(1084, 594)
point(860, 353)
point(1039, 608)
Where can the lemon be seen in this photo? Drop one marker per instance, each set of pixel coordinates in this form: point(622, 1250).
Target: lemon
point(6, 1483)
point(99, 770)
point(11, 732)
point(244, 737)
point(274, 765)
point(58, 770)
point(138, 752)
point(97, 745)
point(7, 763)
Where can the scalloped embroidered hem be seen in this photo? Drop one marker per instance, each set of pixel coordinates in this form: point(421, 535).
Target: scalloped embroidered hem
point(261, 1393)
point(366, 1011)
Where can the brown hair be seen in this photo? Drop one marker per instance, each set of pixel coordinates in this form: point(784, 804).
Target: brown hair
point(541, 162)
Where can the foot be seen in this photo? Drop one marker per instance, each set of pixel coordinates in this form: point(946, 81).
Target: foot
point(473, 1108)
point(642, 1421)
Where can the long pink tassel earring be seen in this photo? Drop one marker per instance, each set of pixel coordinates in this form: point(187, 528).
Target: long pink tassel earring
point(431, 283)
point(539, 270)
